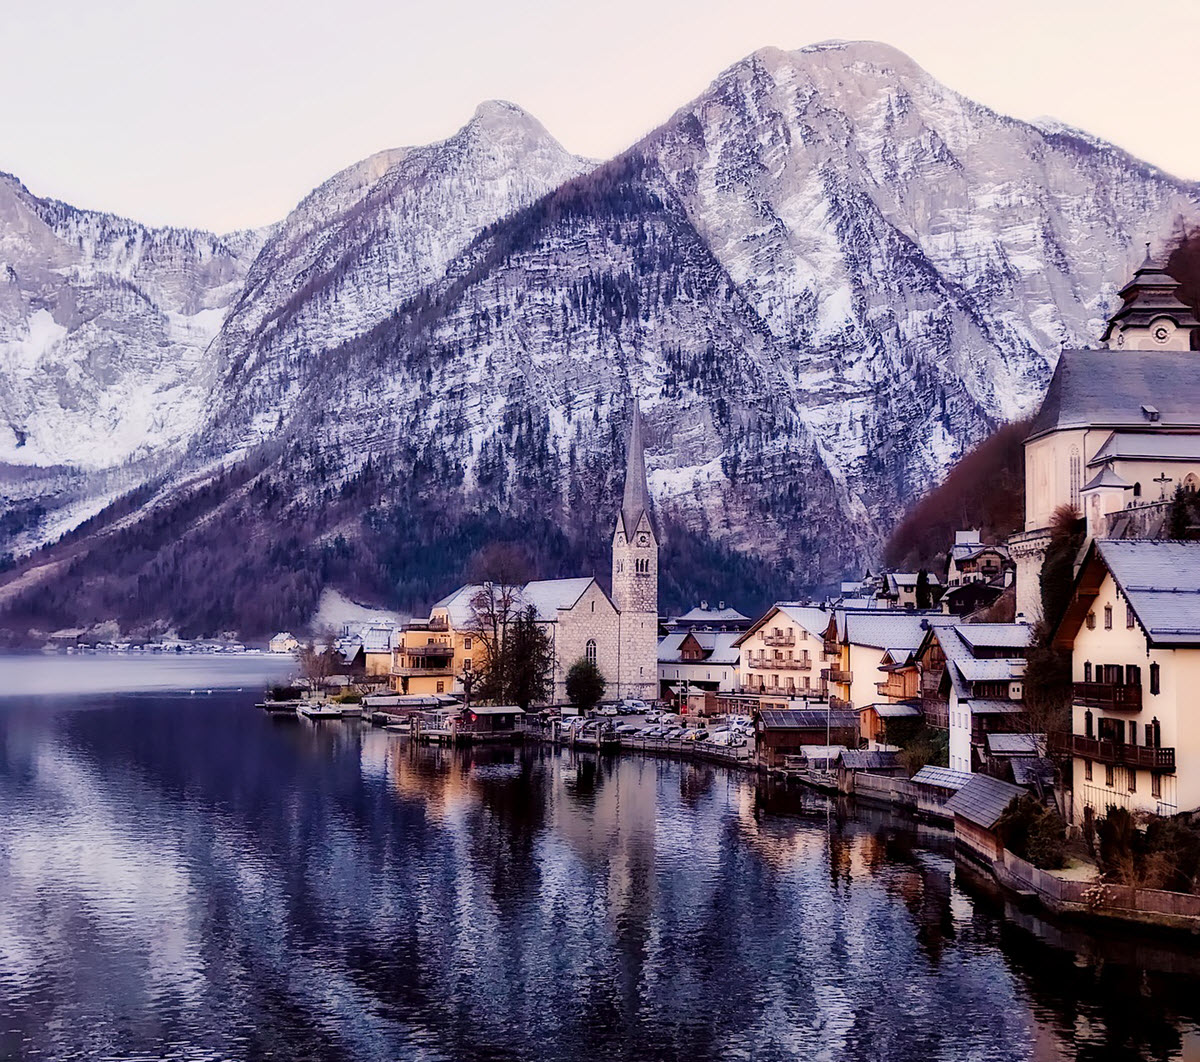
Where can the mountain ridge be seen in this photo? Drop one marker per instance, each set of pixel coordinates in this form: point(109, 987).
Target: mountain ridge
point(828, 276)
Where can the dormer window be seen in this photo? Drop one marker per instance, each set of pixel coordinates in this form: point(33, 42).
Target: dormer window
point(1150, 413)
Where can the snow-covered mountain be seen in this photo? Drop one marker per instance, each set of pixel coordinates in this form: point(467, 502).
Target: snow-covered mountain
point(103, 327)
point(826, 277)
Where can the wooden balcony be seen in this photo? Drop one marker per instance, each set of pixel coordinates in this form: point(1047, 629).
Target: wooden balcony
point(1118, 752)
point(427, 650)
point(836, 704)
point(781, 664)
point(779, 639)
point(1111, 695)
point(833, 674)
point(432, 671)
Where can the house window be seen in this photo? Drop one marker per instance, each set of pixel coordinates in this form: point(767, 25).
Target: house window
point(467, 643)
point(1155, 678)
point(1129, 617)
point(1088, 729)
point(1156, 785)
point(467, 664)
point(441, 687)
point(1131, 778)
point(1091, 621)
point(1132, 732)
point(1087, 770)
point(1108, 774)
point(1108, 617)
point(1087, 671)
point(1137, 490)
point(593, 606)
point(590, 651)
point(1133, 675)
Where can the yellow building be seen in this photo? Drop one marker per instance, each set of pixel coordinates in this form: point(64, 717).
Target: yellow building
point(1133, 630)
point(782, 653)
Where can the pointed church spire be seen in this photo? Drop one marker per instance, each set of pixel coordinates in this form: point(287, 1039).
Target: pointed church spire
point(637, 494)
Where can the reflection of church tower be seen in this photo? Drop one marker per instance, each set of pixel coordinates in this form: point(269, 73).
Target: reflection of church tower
point(635, 575)
point(1152, 316)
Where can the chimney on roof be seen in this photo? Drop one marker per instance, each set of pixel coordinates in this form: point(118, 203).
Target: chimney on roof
point(703, 606)
point(721, 605)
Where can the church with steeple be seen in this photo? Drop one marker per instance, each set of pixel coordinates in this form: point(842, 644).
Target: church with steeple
point(635, 574)
point(617, 633)
point(1119, 428)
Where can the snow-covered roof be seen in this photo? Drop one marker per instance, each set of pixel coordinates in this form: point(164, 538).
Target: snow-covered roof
point(967, 551)
point(1001, 670)
point(718, 645)
point(887, 629)
point(377, 639)
point(1014, 744)
point(995, 635)
point(700, 614)
point(809, 618)
point(547, 596)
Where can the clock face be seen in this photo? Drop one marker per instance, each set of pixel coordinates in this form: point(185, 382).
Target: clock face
point(1162, 334)
point(641, 540)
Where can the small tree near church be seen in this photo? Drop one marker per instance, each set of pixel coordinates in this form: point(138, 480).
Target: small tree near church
point(585, 685)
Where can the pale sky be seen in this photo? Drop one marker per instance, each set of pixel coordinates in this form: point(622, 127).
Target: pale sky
point(224, 113)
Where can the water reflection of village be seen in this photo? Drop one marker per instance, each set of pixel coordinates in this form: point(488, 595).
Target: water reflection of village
point(636, 864)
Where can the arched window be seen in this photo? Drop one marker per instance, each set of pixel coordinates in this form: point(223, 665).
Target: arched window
point(1088, 727)
point(590, 651)
point(1191, 482)
point(1155, 678)
point(1087, 671)
point(1137, 490)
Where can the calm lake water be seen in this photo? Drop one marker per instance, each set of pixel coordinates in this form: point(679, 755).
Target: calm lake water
point(182, 877)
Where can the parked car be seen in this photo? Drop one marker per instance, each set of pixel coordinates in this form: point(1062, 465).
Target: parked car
point(698, 734)
point(674, 733)
point(607, 710)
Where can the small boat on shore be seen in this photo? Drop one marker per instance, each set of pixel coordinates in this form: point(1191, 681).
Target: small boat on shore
point(315, 711)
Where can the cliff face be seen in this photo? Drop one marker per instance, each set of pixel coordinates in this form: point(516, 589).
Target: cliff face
point(826, 278)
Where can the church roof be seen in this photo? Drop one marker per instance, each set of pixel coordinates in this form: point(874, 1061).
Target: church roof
point(636, 499)
point(1149, 446)
point(547, 596)
point(1113, 389)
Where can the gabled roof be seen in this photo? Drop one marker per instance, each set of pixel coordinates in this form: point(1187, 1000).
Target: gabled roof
point(967, 551)
point(1159, 580)
point(1108, 388)
point(982, 800)
point(719, 647)
point(1003, 669)
point(712, 615)
point(810, 618)
point(547, 596)
point(377, 639)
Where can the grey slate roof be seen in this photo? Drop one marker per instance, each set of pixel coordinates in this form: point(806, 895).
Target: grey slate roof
point(900, 710)
point(1014, 744)
point(995, 635)
point(807, 719)
point(1032, 770)
point(1106, 477)
point(982, 800)
point(1107, 389)
point(1161, 581)
point(941, 777)
point(863, 760)
point(1149, 445)
point(1002, 670)
point(636, 499)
